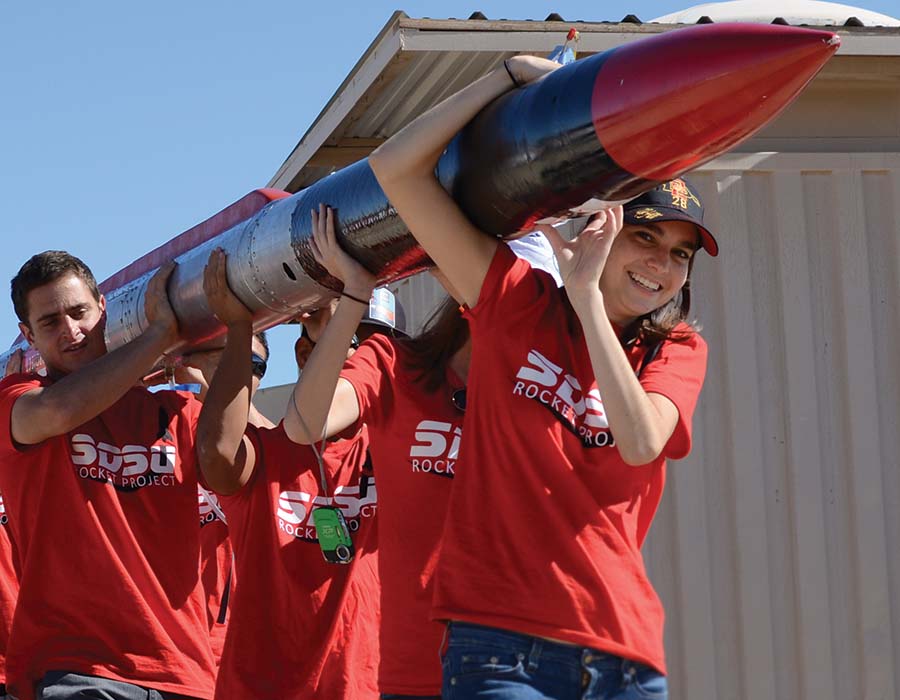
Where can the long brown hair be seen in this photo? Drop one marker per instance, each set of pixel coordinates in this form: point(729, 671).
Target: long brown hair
point(445, 332)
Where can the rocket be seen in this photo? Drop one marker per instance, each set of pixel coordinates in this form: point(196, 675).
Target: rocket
point(594, 133)
point(207, 229)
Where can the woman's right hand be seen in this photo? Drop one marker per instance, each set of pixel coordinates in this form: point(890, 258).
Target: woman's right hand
point(358, 281)
point(582, 260)
point(527, 69)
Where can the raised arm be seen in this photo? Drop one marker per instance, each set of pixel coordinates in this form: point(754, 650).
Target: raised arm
point(319, 393)
point(404, 166)
point(642, 423)
point(225, 454)
point(199, 368)
point(84, 394)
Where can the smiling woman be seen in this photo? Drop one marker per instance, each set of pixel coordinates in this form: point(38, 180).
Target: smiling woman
point(577, 397)
point(652, 261)
point(663, 229)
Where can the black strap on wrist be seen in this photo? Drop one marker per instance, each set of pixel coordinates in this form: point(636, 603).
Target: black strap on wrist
point(356, 299)
point(512, 77)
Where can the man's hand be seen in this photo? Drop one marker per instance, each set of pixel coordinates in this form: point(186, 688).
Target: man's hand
point(157, 308)
point(222, 301)
point(14, 364)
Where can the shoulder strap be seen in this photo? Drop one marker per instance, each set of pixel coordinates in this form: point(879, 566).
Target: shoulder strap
point(649, 356)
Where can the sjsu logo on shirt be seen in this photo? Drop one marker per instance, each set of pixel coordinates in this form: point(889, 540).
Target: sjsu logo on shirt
point(295, 507)
point(546, 382)
point(128, 467)
point(436, 448)
point(210, 509)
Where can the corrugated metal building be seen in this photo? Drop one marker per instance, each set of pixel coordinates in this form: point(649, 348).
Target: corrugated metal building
point(775, 551)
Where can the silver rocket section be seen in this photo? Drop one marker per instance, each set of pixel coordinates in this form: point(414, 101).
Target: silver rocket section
point(270, 265)
point(259, 254)
point(251, 259)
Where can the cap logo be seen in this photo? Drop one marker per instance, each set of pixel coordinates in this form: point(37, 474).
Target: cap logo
point(647, 213)
point(681, 194)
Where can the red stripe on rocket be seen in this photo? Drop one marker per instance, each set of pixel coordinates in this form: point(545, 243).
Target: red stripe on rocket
point(658, 119)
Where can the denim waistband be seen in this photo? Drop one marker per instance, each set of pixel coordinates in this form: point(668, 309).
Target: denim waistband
point(535, 648)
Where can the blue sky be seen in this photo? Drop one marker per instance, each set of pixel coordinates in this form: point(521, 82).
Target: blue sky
point(123, 124)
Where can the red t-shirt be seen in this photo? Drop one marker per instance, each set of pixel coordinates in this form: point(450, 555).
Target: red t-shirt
point(546, 521)
point(413, 438)
point(216, 568)
point(301, 627)
point(9, 585)
point(105, 520)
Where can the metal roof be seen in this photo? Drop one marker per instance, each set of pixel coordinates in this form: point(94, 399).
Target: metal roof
point(414, 63)
point(782, 11)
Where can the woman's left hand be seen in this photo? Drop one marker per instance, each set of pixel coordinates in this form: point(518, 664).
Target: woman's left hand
point(527, 69)
point(581, 260)
point(357, 280)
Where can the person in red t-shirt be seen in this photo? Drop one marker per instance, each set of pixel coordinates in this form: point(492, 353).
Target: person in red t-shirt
point(99, 481)
point(9, 589)
point(407, 393)
point(216, 552)
point(9, 565)
point(300, 627)
point(410, 394)
point(216, 568)
point(568, 426)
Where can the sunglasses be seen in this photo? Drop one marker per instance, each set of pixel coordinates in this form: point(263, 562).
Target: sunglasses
point(258, 365)
point(458, 399)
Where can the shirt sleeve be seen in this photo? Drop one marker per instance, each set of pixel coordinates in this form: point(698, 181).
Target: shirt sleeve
point(512, 291)
point(192, 410)
point(11, 389)
point(677, 373)
point(368, 371)
point(187, 407)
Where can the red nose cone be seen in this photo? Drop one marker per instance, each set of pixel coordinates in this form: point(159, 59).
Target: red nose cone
point(668, 104)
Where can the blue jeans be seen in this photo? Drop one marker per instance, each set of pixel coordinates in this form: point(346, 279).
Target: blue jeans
point(61, 685)
point(492, 664)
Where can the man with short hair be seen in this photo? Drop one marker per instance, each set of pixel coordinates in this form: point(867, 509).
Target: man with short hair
point(100, 482)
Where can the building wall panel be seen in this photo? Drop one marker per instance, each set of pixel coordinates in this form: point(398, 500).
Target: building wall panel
point(796, 438)
point(419, 296)
point(880, 192)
